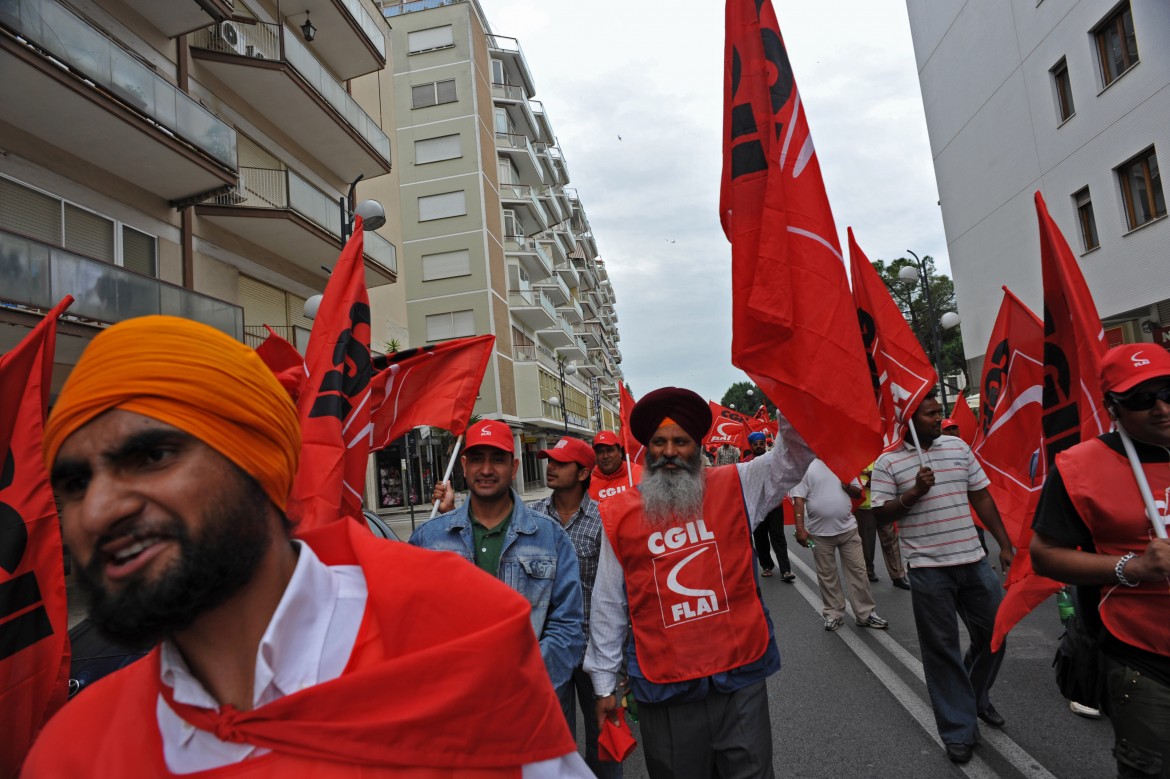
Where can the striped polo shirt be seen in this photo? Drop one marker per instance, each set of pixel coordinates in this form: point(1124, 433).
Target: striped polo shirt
point(938, 531)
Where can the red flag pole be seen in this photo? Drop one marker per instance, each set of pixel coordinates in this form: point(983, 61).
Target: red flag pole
point(447, 475)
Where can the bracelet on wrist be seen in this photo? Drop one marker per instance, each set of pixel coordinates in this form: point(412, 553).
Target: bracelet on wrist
point(1119, 569)
point(902, 500)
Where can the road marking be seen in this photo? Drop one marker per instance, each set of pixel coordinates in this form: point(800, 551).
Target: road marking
point(915, 704)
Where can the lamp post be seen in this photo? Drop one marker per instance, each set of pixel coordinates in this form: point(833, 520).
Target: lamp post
point(373, 216)
point(918, 272)
point(564, 369)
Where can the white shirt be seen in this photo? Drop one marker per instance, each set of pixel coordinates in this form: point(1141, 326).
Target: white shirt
point(827, 508)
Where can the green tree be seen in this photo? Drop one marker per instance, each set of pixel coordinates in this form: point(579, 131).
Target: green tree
point(912, 301)
point(737, 396)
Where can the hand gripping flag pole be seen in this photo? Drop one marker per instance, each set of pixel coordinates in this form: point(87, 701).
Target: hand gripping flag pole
point(447, 474)
point(1142, 483)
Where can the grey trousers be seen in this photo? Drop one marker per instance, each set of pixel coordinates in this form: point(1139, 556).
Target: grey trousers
point(725, 735)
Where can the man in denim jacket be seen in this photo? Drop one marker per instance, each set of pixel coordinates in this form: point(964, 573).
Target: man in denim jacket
point(529, 552)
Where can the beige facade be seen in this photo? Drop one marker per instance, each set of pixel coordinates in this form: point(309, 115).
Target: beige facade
point(493, 239)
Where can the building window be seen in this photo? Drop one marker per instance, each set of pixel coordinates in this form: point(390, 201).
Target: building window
point(1085, 217)
point(446, 265)
point(429, 40)
point(434, 93)
point(1116, 44)
point(453, 324)
point(442, 206)
point(1063, 87)
point(1141, 189)
point(446, 147)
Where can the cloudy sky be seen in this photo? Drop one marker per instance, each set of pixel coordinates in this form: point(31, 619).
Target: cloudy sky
point(635, 93)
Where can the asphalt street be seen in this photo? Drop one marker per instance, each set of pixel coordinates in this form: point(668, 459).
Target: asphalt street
point(853, 703)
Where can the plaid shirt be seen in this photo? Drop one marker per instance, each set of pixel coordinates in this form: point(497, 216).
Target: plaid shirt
point(584, 531)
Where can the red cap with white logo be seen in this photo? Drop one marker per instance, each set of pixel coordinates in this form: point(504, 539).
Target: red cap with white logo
point(571, 450)
point(1125, 367)
point(490, 432)
point(606, 438)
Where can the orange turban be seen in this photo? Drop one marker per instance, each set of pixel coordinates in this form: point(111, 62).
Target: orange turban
point(195, 378)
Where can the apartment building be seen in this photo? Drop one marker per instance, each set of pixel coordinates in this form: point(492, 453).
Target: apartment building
point(1068, 97)
point(189, 157)
point(493, 238)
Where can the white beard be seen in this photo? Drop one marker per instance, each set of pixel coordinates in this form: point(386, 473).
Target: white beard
point(671, 496)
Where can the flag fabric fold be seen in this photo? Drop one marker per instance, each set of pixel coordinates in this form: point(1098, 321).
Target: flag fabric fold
point(794, 330)
point(433, 385)
point(965, 419)
point(1072, 407)
point(283, 359)
point(34, 618)
point(334, 402)
point(635, 452)
point(899, 371)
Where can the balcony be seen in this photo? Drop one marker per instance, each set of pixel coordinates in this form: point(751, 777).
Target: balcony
point(68, 85)
point(531, 308)
point(530, 256)
point(513, 99)
point(558, 335)
point(564, 236)
point(517, 148)
point(543, 123)
point(277, 77)
point(176, 17)
point(522, 199)
point(590, 333)
point(392, 8)
point(567, 273)
point(560, 167)
point(552, 205)
point(508, 51)
point(349, 40)
point(554, 289)
point(38, 275)
point(552, 248)
point(280, 211)
point(535, 353)
point(571, 311)
point(574, 351)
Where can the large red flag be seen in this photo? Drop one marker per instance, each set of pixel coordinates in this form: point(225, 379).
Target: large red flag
point(635, 452)
point(728, 426)
point(34, 651)
point(432, 385)
point(794, 329)
point(899, 370)
point(962, 416)
point(1073, 408)
point(334, 404)
point(283, 359)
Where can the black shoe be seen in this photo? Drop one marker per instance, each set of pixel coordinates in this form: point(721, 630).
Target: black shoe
point(991, 717)
point(872, 577)
point(959, 753)
point(901, 584)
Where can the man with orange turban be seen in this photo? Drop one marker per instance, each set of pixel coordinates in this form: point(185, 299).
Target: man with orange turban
point(172, 451)
point(676, 563)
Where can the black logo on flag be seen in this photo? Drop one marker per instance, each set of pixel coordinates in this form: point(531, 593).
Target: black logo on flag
point(351, 371)
point(21, 626)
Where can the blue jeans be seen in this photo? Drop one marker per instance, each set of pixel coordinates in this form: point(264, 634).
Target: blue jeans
point(580, 687)
point(958, 684)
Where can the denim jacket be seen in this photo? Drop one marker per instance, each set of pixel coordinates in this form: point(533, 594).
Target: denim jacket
point(538, 562)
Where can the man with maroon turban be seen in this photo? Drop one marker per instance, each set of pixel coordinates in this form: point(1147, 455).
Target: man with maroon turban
point(676, 562)
point(172, 450)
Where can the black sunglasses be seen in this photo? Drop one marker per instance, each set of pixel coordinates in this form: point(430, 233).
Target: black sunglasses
point(1141, 401)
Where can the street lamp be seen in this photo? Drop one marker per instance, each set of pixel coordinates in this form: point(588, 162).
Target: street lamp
point(564, 369)
point(918, 272)
point(373, 216)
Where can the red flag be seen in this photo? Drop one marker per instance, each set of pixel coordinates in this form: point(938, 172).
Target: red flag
point(794, 328)
point(283, 359)
point(334, 405)
point(432, 385)
point(34, 619)
point(1073, 411)
point(899, 370)
point(965, 419)
point(635, 452)
point(728, 426)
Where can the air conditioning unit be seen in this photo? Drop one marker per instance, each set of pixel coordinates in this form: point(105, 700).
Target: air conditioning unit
point(231, 37)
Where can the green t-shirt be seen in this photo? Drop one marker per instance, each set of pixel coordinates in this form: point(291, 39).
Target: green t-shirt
point(489, 544)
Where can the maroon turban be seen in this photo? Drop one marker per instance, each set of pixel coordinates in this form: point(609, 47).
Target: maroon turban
point(685, 408)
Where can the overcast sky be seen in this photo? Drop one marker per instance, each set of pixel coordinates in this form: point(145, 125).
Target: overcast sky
point(634, 91)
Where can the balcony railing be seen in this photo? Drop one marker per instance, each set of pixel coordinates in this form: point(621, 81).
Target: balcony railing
point(398, 9)
point(74, 42)
point(262, 40)
point(512, 140)
point(284, 189)
point(38, 275)
point(368, 26)
point(508, 92)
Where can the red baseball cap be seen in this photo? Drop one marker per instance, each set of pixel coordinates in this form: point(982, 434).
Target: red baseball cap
point(490, 432)
point(571, 450)
point(948, 422)
point(1124, 367)
point(606, 438)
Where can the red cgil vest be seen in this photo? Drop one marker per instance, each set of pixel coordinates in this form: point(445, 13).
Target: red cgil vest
point(691, 588)
point(1101, 485)
point(602, 487)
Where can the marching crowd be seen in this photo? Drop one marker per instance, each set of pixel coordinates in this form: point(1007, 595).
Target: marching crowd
point(331, 653)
